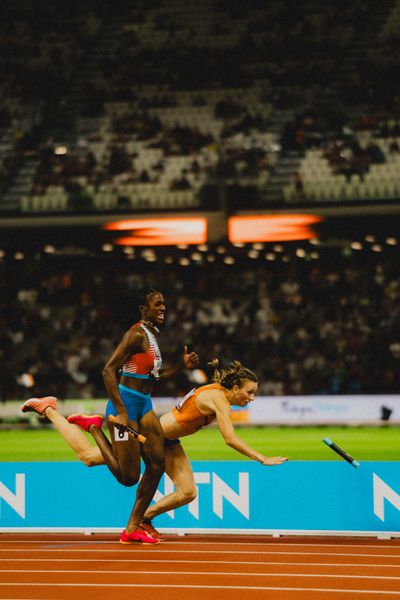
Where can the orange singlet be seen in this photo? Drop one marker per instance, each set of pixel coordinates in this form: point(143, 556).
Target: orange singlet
point(188, 415)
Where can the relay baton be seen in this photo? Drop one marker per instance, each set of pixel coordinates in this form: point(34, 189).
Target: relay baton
point(128, 428)
point(341, 452)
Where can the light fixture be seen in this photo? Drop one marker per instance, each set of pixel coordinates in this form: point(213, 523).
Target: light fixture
point(356, 246)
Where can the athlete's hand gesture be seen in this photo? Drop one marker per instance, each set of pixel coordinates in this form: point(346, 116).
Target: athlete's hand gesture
point(122, 418)
point(190, 359)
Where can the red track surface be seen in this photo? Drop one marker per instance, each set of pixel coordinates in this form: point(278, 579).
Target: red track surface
point(97, 567)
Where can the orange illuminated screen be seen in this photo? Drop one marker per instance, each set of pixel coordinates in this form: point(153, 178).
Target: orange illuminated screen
point(160, 232)
point(272, 228)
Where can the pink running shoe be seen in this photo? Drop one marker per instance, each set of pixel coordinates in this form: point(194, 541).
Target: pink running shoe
point(39, 405)
point(85, 421)
point(148, 527)
point(137, 537)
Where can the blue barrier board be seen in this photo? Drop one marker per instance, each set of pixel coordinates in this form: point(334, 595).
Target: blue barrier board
point(240, 495)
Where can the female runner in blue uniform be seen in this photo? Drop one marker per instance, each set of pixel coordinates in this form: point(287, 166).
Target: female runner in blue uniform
point(129, 376)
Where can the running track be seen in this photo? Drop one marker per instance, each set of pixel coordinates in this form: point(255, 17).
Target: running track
point(194, 567)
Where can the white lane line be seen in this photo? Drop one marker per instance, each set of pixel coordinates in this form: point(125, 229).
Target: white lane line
point(211, 543)
point(159, 550)
point(206, 562)
point(184, 573)
point(206, 587)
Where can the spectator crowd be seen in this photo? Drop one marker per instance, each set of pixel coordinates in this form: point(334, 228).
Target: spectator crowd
point(327, 326)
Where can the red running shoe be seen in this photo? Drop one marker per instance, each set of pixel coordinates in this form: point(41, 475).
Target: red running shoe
point(137, 537)
point(39, 405)
point(85, 421)
point(147, 526)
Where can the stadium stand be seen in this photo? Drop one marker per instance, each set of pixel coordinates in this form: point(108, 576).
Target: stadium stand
point(186, 106)
point(160, 106)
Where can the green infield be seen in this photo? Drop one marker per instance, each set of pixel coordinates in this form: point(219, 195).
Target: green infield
point(298, 443)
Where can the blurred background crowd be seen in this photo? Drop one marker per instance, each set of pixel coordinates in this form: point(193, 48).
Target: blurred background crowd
point(306, 324)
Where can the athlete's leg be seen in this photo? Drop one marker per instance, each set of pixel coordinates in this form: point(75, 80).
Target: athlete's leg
point(77, 441)
point(122, 455)
point(178, 468)
point(153, 456)
point(75, 438)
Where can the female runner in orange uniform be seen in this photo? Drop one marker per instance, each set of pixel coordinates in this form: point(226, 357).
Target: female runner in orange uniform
point(232, 387)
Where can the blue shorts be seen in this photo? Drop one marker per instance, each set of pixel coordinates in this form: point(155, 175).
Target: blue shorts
point(136, 403)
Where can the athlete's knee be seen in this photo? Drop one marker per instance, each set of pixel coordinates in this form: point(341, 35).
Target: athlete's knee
point(88, 461)
point(159, 465)
point(91, 458)
point(187, 494)
point(128, 477)
point(156, 465)
point(128, 480)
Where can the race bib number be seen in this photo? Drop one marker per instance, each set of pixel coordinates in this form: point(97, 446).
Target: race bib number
point(182, 401)
point(120, 436)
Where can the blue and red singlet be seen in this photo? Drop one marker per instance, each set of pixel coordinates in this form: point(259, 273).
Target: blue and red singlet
point(144, 365)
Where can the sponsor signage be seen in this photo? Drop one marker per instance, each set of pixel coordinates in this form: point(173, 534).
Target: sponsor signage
point(266, 410)
point(299, 496)
point(160, 232)
point(272, 228)
point(295, 410)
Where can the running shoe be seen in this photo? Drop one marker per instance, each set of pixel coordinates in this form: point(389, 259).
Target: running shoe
point(137, 537)
point(85, 421)
point(147, 526)
point(39, 405)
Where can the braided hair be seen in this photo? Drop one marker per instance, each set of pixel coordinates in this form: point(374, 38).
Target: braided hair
point(235, 375)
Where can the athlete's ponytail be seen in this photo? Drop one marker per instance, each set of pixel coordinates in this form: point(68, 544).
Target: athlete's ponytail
point(235, 375)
